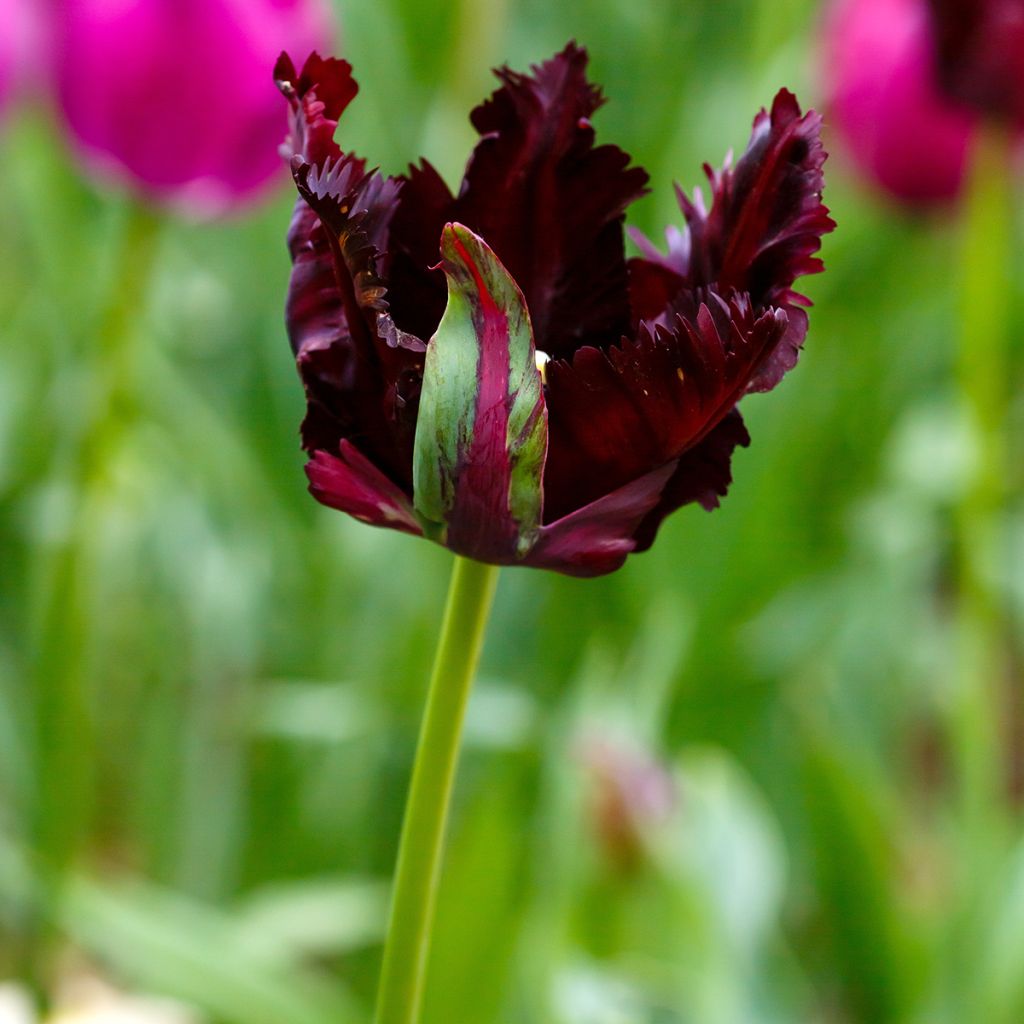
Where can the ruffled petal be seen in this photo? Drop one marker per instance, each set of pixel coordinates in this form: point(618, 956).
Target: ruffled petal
point(703, 474)
point(551, 204)
point(762, 232)
point(596, 539)
point(767, 218)
point(317, 98)
point(314, 315)
point(618, 414)
point(351, 483)
point(361, 375)
point(653, 285)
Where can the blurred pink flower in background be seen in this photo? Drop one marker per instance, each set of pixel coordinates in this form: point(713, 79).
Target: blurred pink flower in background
point(176, 97)
point(17, 31)
point(885, 102)
point(8, 12)
point(631, 794)
point(980, 46)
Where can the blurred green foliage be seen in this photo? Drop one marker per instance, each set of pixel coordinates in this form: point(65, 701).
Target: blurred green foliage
point(210, 686)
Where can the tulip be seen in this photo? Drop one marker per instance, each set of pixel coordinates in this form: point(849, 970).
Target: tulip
point(7, 56)
point(170, 96)
point(980, 50)
point(537, 400)
point(16, 32)
point(885, 101)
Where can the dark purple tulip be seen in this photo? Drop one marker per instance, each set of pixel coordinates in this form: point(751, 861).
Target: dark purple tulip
point(534, 398)
point(980, 47)
point(878, 61)
point(139, 96)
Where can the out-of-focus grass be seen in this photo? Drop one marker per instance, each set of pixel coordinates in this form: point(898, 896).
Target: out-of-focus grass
point(252, 666)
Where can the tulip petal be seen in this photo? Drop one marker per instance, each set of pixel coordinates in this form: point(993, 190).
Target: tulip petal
point(764, 227)
point(618, 414)
point(361, 373)
point(317, 98)
point(417, 292)
point(596, 539)
point(767, 217)
point(357, 381)
point(703, 474)
point(351, 483)
point(481, 437)
point(551, 204)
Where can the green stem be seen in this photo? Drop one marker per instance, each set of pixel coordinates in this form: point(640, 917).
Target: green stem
point(983, 378)
point(419, 854)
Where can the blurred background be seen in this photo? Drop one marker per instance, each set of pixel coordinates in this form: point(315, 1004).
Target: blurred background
point(745, 780)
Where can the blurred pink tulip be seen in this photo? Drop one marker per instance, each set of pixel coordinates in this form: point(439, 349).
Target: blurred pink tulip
point(981, 54)
point(176, 97)
point(16, 31)
point(885, 102)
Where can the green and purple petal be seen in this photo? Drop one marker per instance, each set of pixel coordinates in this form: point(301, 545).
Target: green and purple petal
point(481, 438)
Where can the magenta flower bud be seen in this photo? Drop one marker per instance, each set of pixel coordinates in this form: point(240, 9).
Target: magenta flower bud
point(172, 97)
point(885, 101)
point(488, 370)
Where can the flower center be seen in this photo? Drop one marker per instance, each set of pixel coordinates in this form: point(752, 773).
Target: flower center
point(542, 359)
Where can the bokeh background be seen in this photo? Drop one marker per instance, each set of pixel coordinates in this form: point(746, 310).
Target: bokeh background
point(722, 786)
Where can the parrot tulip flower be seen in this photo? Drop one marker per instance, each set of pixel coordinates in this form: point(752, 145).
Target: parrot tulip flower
point(488, 370)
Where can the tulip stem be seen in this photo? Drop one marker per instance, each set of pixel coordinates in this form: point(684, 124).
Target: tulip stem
point(980, 745)
point(470, 595)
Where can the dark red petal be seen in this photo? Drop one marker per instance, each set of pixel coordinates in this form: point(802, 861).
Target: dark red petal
point(351, 483)
point(616, 415)
point(317, 98)
point(313, 312)
point(703, 475)
point(765, 225)
point(359, 383)
point(418, 292)
point(652, 287)
point(550, 204)
point(767, 217)
point(980, 50)
point(596, 539)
